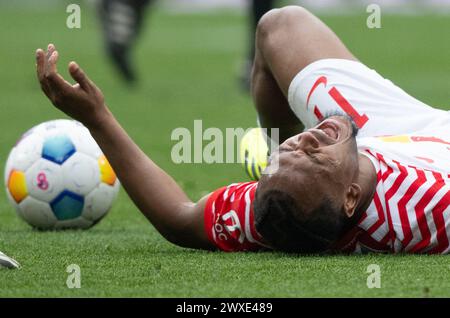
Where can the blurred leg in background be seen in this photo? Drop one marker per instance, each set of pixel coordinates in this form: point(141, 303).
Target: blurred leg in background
point(121, 23)
point(256, 11)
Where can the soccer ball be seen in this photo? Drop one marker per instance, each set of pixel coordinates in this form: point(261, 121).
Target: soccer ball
point(57, 177)
point(254, 152)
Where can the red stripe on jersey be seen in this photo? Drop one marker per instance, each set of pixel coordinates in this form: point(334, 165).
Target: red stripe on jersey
point(378, 206)
point(406, 226)
point(369, 242)
point(438, 218)
point(429, 139)
point(380, 212)
point(318, 113)
point(389, 194)
point(388, 171)
point(386, 238)
point(370, 152)
point(420, 213)
point(363, 217)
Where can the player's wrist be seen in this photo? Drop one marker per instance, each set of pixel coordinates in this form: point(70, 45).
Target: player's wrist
point(100, 120)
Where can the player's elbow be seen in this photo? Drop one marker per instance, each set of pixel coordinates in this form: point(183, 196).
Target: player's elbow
point(174, 237)
point(184, 237)
point(183, 227)
point(173, 233)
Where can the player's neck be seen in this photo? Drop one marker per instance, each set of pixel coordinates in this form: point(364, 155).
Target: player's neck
point(367, 180)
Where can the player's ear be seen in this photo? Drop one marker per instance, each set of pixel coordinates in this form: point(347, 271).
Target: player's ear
point(352, 197)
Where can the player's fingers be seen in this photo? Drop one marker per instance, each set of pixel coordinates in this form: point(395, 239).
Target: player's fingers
point(52, 62)
point(79, 76)
point(57, 85)
point(40, 71)
point(55, 82)
point(51, 72)
point(40, 63)
point(48, 54)
point(50, 49)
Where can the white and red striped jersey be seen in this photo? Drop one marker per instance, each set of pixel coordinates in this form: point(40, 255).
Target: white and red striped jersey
point(409, 212)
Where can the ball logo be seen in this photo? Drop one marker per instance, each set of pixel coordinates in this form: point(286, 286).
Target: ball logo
point(42, 182)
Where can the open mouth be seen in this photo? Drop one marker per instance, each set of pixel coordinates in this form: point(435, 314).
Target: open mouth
point(329, 128)
point(328, 132)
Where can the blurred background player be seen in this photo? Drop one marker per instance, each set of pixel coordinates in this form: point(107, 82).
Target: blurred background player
point(121, 24)
point(122, 21)
point(257, 9)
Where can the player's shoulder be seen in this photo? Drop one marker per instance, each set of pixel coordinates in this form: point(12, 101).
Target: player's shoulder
point(229, 221)
point(234, 191)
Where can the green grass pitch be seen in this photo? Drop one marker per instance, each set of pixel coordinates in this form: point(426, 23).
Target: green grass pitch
point(188, 65)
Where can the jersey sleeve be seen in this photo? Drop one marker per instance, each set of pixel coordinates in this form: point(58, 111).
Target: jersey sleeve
point(229, 221)
point(377, 106)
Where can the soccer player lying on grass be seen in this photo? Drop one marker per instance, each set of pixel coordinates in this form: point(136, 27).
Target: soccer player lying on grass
point(332, 191)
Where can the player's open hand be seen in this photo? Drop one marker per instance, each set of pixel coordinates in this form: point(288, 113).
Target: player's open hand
point(82, 101)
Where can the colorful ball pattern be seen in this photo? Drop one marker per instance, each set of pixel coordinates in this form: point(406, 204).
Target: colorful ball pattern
point(57, 177)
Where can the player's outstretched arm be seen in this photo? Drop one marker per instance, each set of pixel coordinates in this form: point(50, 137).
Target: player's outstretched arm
point(155, 193)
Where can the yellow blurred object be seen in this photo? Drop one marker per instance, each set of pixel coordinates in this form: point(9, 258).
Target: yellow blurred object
point(254, 153)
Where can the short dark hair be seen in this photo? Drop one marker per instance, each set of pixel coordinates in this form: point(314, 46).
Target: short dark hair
point(287, 227)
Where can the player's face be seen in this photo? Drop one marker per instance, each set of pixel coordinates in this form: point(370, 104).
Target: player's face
point(322, 160)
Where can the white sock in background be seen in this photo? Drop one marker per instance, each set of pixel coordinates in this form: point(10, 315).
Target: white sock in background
point(8, 261)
